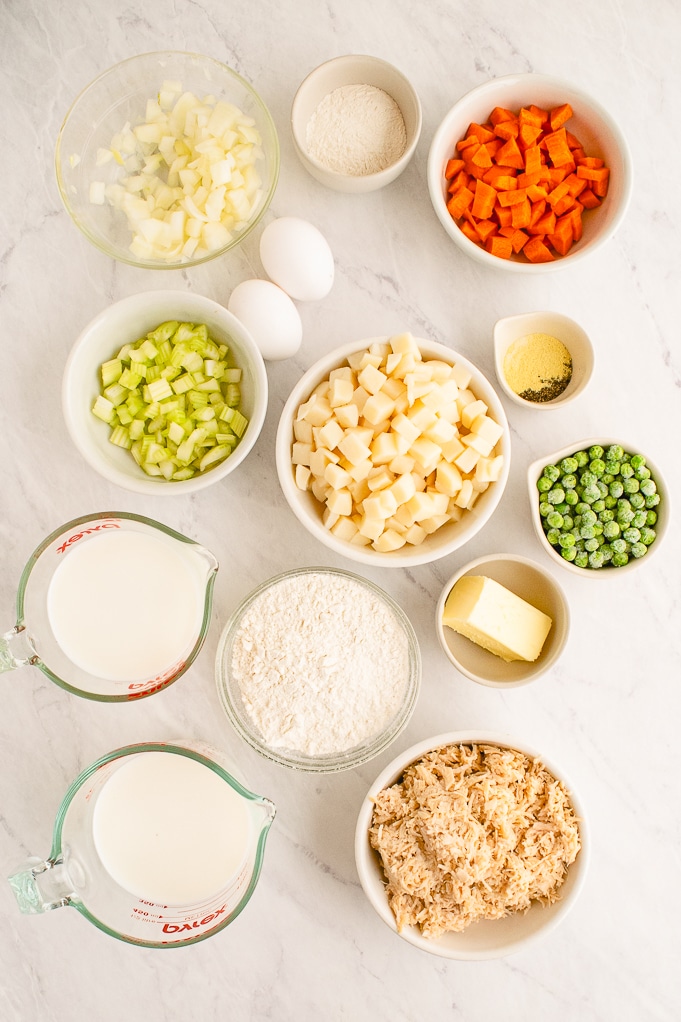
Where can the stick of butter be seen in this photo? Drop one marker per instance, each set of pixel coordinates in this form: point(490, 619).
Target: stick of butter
point(496, 619)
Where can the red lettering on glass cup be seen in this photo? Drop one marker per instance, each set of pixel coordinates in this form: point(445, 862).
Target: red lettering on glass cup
point(182, 927)
point(108, 524)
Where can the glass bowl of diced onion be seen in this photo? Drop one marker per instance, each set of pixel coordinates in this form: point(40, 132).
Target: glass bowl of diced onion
point(167, 160)
point(415, 474)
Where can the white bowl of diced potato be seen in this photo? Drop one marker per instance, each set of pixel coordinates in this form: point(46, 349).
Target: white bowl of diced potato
point(393, 450)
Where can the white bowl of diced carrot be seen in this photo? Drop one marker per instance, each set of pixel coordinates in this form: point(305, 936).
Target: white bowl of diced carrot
point(529, 173)
point(393, 451)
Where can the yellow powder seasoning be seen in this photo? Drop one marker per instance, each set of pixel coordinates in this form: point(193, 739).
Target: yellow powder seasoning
point(538, 367)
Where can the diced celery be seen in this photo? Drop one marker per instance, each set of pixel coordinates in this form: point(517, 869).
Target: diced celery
point(172, 399)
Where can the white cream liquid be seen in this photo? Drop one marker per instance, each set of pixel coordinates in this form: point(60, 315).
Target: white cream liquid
point(169, 830)
point(126, 606)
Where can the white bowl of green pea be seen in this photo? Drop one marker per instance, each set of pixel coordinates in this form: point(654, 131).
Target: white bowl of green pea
point(597, 505)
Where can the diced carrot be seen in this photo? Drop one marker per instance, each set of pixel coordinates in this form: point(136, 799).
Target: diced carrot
point(494, 146)
point(518, 240)
point(546, 224)
point(537, 211)
point(539, 112)
point(533, 162)
point(576, 220)
point(486, 228)
point(481, 132)
point(459, 202)
point(557, 148)
point(557, 174)
point(521, 214)
point(512, 197)
point(536, 251)
point(527, 180)
point(575, 184)
point(461, 179)
point(528, 115)
point(600, 188)
point(484, 198)
point(572, 140)
point(536, 192)
point(503, 214)
point(558, 192)
point(563, 236)
point(481, 158)
point(507, 129)
point(591, 161)
point(501, 178)
point(467, 142)
point(559, 115)
point(499, 114)
point(592, 173)
point(453, 167)
point(470, 232)
point(563, 205)
point(588, 199)
point(499, 246)
point(510, 156)
point(528, 135)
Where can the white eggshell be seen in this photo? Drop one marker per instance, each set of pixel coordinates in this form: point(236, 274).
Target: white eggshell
point(297, 257)
point(270, 317)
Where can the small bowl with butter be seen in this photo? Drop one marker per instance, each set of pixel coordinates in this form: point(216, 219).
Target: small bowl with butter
point(502, 620)
point(542, 359)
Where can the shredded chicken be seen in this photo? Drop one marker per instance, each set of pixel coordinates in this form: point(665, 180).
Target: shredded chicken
point(472, 832)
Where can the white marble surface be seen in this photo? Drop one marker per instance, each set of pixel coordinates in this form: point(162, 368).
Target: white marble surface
point(309, 946)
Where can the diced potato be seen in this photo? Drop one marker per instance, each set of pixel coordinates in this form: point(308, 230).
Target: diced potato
point(301, 453)
point(337, 477)
point(406, 427)
point(371, 378)
point(372, 527)
point(404, 344)
point(415, 535)
point(467, 460)
point(319, 459)
point(448, 479)
point(403, 488)
point(430, 525)
point(330, 434)
point(340, 392)
point(302, 430)
point(353, 446)
point(378, 407)
point(486, 427)
point(340, 502)
point(464, 494)
point(426, 452)
point(471, 411)
point(461, 375)
point(384, 448)
point(379, 478)
point(346, 415)
point(303, 476)
point(478, 443)
point(344, 529)
point(401, 464)
point(388, 541)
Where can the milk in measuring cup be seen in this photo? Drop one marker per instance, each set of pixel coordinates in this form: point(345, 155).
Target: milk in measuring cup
point(125, 605)
point(169, 830)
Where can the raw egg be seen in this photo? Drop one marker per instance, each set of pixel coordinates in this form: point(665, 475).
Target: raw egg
point(297, 257)
point(270, 317)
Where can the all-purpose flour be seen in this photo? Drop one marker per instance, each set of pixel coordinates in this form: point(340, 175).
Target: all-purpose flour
point(321, 662)
point(357, 130)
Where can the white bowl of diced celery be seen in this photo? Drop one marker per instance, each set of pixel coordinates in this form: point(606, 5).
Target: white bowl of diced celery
point(164, 392)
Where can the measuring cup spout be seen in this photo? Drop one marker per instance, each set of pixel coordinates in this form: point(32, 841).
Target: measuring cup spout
point(16, 650)
point(41, 886)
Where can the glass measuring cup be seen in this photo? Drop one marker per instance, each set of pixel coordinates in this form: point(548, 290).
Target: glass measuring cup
point(75, 874)
point(32, 641)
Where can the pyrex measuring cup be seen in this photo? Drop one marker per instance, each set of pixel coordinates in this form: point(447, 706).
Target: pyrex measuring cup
point(112, 606)
point(156, 844)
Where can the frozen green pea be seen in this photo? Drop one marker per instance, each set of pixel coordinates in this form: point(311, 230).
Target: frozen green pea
point(619, 546)
point(626, 471)
point(637, 500)
point(545, 508)
point(569, 481)
point(568, 523)
point(637, 461)
point(643, 472)
point(569, 465)
point(616, 488)
point(652, 500)
point(647, 487)
point(615, 452)
point(556, 495)
point(552, 472)
point(624, 504)
point(553, 536)
point(597, 466)
point(611, 530)
point(554, 519)
point(588, 478)
point(639, 519)
point(582, 507)
point(568, 553)
point(596, 451)
point(582, 458)
point(607, 515)
point(619, 560)
point(591, 493)
point(589, 517)
point(596, 559)
point(638, 550)
point(581, 559)
point(624, 517)
point(606, 551)
point(598, 505)
point(602, 488)
point(647, 535)
point(631, 535)
point(651, 518)
point(607, 478)
point(571, 498)
point(544, 484)
point(610, 502)
point(591, 544)
point(587, 531)
point(631, 485)
point(612, 468)
point(566, 539)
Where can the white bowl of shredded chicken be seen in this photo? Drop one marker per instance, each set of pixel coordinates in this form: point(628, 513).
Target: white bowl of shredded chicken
point(470, 845)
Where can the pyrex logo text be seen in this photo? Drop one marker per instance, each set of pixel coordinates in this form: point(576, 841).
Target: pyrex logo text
point(181, 927)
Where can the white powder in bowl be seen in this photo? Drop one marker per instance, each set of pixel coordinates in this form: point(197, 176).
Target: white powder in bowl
point(322, 663)
point(357, 130)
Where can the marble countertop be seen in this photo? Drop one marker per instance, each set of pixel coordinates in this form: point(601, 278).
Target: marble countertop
point(309, 945)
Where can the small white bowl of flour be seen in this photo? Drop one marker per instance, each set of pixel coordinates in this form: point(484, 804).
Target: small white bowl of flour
point(318, 669)
point(355, 121)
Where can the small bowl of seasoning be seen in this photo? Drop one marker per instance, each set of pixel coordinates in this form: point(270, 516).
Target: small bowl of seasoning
point(355, 121)
point(543, 359)
point(318, 669)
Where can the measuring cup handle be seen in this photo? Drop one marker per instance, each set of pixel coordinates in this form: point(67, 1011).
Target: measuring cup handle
point(41, 886)
point(15, 650)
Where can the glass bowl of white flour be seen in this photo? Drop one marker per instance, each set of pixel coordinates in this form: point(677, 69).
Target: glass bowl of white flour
point(318, 669)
